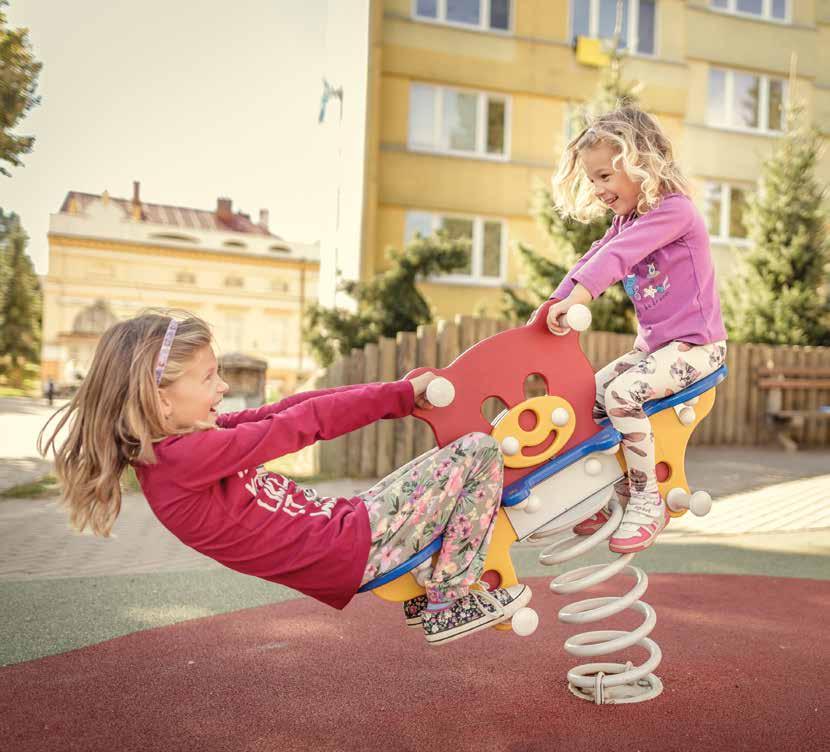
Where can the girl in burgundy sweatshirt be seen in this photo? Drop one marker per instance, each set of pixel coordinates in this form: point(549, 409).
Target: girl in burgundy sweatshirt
point(150, 400)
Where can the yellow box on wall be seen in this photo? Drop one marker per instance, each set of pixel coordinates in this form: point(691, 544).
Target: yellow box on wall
point(589, 51)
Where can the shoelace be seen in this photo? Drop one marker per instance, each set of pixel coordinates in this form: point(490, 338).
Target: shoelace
point(483, 596)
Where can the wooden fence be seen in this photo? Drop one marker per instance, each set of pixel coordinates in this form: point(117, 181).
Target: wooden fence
point(737, 418)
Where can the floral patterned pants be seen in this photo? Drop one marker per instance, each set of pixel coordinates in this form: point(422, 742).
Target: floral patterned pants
point(625, 384)
point(455, 490)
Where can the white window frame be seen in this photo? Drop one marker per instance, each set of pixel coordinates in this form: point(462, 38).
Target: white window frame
point(731, 9)
point(483, 17)
point(725, 212)
point(476, 250)
point(438, 144)
point(633, 25)
point(763, 103)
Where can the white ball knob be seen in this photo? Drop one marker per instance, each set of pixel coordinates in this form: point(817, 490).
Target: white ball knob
point(677, 499)
point(525, 621)
point(560, 417)
point(421, 576)
point(612, 450)
point(578, 317)
point(687, 416)
point(701, 503)
point(510, 445)
point(440, 392)
point(593, 467)
point(533, 505)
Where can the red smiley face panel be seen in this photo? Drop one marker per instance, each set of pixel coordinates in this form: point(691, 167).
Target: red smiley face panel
point(533, 430)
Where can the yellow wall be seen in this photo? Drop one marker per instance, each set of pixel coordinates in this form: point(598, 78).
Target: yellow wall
point(535, 66)
point(130, 277)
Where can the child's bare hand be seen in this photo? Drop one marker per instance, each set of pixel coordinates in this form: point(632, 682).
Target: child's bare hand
point(419, 384)
point(560, 308)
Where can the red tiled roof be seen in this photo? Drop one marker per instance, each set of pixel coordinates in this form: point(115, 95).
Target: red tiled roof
point(174, 216)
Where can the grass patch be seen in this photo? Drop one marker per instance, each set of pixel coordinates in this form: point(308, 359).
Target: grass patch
point(37, 489)
point(10, 391)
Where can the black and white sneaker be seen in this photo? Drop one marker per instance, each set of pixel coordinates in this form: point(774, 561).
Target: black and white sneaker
point(478, 610)
point(412, 610)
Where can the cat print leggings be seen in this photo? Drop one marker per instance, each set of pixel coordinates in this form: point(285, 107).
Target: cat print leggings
point(455, 490)
point(625, 384)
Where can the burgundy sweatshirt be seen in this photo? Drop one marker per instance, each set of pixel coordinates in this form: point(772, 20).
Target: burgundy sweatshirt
point(210, 490)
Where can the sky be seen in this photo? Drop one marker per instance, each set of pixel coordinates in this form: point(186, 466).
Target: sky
point(194, 99)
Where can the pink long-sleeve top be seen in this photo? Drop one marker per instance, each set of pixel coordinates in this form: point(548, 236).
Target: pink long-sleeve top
point(664, 262)
point(210, 490)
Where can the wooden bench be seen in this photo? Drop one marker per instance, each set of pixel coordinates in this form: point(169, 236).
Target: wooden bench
point(775, 381)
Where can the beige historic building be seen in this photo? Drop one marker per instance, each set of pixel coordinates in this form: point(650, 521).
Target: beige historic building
point(109, 258)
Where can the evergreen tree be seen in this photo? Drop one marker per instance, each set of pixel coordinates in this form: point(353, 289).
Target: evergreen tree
point(779, 295)
point(386, 304)
point(7, 223)
point(612, 311)
point(20, 313)
point(18, 83)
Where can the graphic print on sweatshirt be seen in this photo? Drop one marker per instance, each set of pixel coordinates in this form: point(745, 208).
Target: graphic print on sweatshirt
point(279, 494)
point(648, 287)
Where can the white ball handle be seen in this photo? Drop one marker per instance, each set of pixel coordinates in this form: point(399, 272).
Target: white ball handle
point(699, 503)
point(440, 392)
point(577, 318)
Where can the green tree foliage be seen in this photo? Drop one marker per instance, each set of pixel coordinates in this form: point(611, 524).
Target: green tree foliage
point(386, 304)
point(21, 311)
point(570, 240)
point(18, 82)
point(779, 295)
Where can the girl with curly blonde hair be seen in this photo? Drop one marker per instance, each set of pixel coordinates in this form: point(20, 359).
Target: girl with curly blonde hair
point(658, 247)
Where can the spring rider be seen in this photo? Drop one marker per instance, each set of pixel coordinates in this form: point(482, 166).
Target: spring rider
point(560, 467)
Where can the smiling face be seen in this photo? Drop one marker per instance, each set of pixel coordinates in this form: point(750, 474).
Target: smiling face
point(194, 396)
point(613, 187)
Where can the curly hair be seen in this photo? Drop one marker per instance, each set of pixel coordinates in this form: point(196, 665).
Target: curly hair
point(642, 150)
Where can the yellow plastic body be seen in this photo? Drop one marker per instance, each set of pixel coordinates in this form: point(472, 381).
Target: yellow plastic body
point(671, 437)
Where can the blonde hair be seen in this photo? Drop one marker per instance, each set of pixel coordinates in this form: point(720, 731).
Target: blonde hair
point(116, 415)
point(642, 150)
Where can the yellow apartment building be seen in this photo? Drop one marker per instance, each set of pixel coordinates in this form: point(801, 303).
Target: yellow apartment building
point(109, 258)
point(464, 105)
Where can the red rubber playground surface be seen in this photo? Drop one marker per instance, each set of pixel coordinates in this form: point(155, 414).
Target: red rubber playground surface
point(744, 668)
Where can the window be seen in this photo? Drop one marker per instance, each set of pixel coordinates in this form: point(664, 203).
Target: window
point(724, 208)
point(234, 282)
point(598, 18)
point(458, 121)
point(278, 326)
point(477, 14)
point(186, 278)
point(771, 10)
point(745, 100)
point(486, 264)
point(234, 327)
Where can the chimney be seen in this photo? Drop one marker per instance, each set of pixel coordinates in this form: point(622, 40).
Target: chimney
point(223, 210)
point(135, 211)
point(263, 219)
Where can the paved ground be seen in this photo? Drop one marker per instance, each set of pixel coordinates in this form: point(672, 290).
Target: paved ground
point(235, 662)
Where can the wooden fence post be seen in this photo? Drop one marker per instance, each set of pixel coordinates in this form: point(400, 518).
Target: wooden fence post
point(369, 446)
point(386, 428)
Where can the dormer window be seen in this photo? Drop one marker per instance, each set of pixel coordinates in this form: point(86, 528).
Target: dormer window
point(173, 236)
point(234, 282)
point(234, 244)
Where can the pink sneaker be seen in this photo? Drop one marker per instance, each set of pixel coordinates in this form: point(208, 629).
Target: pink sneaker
point(640, 526)
point(593, 523)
